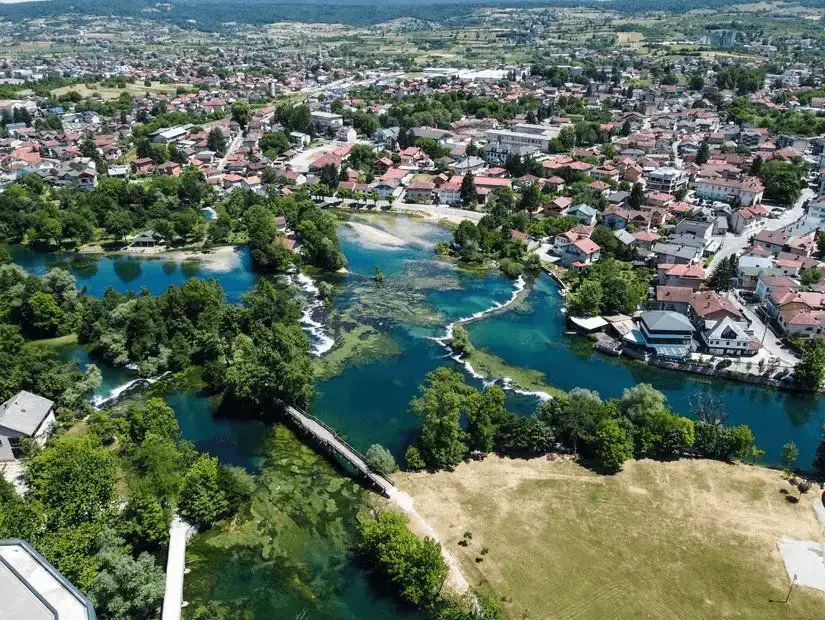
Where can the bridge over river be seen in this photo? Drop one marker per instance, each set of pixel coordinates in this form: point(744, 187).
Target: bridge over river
point(330, 440)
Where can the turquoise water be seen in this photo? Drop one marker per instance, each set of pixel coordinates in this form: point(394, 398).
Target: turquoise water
point(368, 401)
point(132, 273)
point(534, 337)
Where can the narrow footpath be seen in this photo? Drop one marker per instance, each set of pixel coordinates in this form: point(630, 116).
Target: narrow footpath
point(179, 533)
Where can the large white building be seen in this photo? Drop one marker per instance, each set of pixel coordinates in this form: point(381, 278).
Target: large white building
point(666, 179)
point(746, 191)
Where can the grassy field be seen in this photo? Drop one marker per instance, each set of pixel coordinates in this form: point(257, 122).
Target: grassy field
point(138, 89)
point(688, 539)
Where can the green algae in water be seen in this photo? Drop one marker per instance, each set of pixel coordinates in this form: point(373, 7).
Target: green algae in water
point(289, 551)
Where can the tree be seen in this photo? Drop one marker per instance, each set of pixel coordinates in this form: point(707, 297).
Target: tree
point(809, 276)
point(703, 153)
point(441, 405)
point(567, 137)
point(586, 300)
point(637, 196)
point(216, 141)
point(380, 460)
point(329, 176)
point(154, 418)
point(790, 454)
point(611, 444)
point(460, 341)
point(413, 458)
point(415, 566)
point(127, 588)
point(147, 521)
point(74, 478)
point(484, 412)
point(118, 224)
point(202, 501)
point(275, 142)
point(241, 113)
point(469, 194)
point(530, 198)
point(783, 182)
point(722, 277)
point(810, 371)
point(756, 166)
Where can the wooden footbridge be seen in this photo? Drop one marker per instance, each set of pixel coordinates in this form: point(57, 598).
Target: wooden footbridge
point(331, 441)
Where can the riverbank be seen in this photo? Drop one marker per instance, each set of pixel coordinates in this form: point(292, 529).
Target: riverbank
point(560, 541)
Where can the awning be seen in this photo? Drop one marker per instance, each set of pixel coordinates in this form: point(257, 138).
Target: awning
point(588, 323)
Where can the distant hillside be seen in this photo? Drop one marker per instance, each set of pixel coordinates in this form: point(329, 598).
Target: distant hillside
point(211, 14)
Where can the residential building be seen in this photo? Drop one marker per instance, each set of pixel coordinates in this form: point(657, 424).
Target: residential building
point(688, 275)
point(771, 240)
point(711, 306)
point(673, 298)
point(24, 415)
point(667, 334)
point(585, 214)
point(582, 251)
point(666, 179)
point(420, 191)
point(729, 337)
point(746, 191)
point(767, 284)
point(747, 220)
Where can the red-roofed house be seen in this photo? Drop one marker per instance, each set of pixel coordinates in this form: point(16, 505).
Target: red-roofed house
point(711, 306)
point(689, 275)
point(582, 251)
point(673, 298)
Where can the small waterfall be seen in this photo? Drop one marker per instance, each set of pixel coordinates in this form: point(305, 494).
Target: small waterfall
point(320, 341)
point(505, 382)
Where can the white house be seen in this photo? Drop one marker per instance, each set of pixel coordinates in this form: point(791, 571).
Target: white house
point(24, 415)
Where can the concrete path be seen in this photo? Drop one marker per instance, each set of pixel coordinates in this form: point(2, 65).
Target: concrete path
point(179, 533)
point(805, 561)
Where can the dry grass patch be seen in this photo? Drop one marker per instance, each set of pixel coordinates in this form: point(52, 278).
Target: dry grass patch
point(689, 539)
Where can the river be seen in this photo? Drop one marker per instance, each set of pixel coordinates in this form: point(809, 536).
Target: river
point(365, 395)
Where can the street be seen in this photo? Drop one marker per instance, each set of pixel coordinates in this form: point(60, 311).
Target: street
point(733, 244)
point(233, 146)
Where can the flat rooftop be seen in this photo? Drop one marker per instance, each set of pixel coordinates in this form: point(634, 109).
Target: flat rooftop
point(33, 589)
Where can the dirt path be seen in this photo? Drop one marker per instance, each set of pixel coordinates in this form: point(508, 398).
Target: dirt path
point(456, 580)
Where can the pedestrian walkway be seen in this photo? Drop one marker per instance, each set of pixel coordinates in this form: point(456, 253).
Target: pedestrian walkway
point(179, 533)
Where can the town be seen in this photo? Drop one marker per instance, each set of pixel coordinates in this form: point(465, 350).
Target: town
point(254, 187)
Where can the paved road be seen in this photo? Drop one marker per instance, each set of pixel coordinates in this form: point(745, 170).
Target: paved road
point(770, 342)
point(733, 244)
point(233, 146)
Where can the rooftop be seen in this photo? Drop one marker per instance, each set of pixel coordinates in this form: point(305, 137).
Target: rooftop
point(24, 412)
point(33, 589)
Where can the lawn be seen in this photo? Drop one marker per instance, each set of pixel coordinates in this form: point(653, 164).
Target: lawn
point(138, 89)
point(689, 539)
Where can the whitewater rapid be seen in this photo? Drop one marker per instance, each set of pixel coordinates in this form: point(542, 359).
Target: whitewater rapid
point(506, 383)
point(320, 341)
